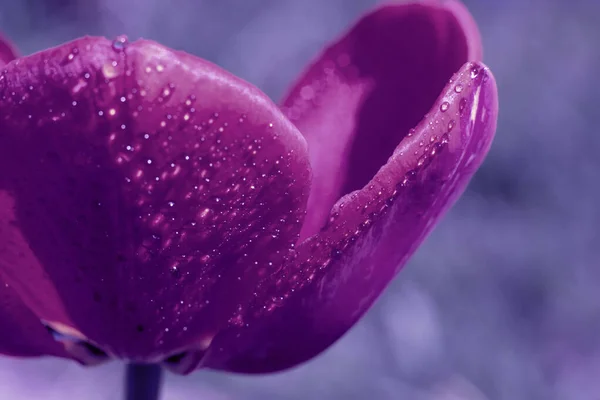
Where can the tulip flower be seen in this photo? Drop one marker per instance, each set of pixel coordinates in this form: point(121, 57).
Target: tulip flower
point(156, 209)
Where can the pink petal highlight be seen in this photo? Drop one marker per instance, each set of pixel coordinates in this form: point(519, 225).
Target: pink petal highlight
point(364, 92)
point(334, 277)
point(139, 186)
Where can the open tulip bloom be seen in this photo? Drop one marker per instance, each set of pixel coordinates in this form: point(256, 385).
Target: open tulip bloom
point(155, 208)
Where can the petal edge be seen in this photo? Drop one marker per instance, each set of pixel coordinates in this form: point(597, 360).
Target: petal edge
point(337, 275)
point(360, 96)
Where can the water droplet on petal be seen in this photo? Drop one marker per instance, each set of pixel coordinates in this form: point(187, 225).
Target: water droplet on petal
point(78, 86)
point(451, 125)
point(444, 106)
point(462, 104)
point(120, 43)
point(109, 71)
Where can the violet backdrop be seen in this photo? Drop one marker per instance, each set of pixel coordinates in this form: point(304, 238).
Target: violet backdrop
point(502, 300)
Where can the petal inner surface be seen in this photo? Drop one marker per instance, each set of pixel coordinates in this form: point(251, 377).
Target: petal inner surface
point(364, 93)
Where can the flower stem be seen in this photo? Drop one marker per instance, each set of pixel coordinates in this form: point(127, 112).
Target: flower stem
point(143, 382)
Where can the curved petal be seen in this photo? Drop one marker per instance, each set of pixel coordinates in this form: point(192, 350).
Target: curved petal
point(335, 276)
point(21, 332)
point(141, 185)
point(7, 51)
point(363, 93)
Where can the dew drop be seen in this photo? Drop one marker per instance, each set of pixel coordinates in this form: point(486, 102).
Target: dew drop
point(462, 104)
point(458, 88)
point(78, 86)
point(474, 71)
point(451, 125)
point(408, 178)
point(120, 43)
point(109, 71)
point(435, 149)
point(444, 106)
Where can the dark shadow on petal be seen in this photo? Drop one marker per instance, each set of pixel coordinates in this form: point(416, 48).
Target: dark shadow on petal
point(363, 94)
point(408, 55)
point(336, 275)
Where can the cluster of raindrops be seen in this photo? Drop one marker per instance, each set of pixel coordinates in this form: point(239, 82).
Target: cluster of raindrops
point(357, 213)
point(173, 194)
point(214, 193)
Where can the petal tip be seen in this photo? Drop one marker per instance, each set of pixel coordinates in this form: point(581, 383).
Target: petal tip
point(484, 108)
point(8, 52)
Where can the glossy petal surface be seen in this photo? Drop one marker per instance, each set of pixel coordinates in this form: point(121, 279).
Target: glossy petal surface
point(333, 278)
point(363, 93)
point(139, 186)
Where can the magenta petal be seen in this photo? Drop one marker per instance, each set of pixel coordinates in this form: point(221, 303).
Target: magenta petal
point(139, 186)
point(336, 275)
point(21, 333)
point(364, 92)
point(7, 51)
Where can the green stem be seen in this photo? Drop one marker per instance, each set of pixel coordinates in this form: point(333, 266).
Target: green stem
point(143, 382)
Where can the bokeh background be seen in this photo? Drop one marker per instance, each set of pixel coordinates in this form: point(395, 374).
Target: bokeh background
point(502, 302)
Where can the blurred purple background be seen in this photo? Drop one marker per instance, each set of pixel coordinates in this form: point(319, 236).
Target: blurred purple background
point(502, 301)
